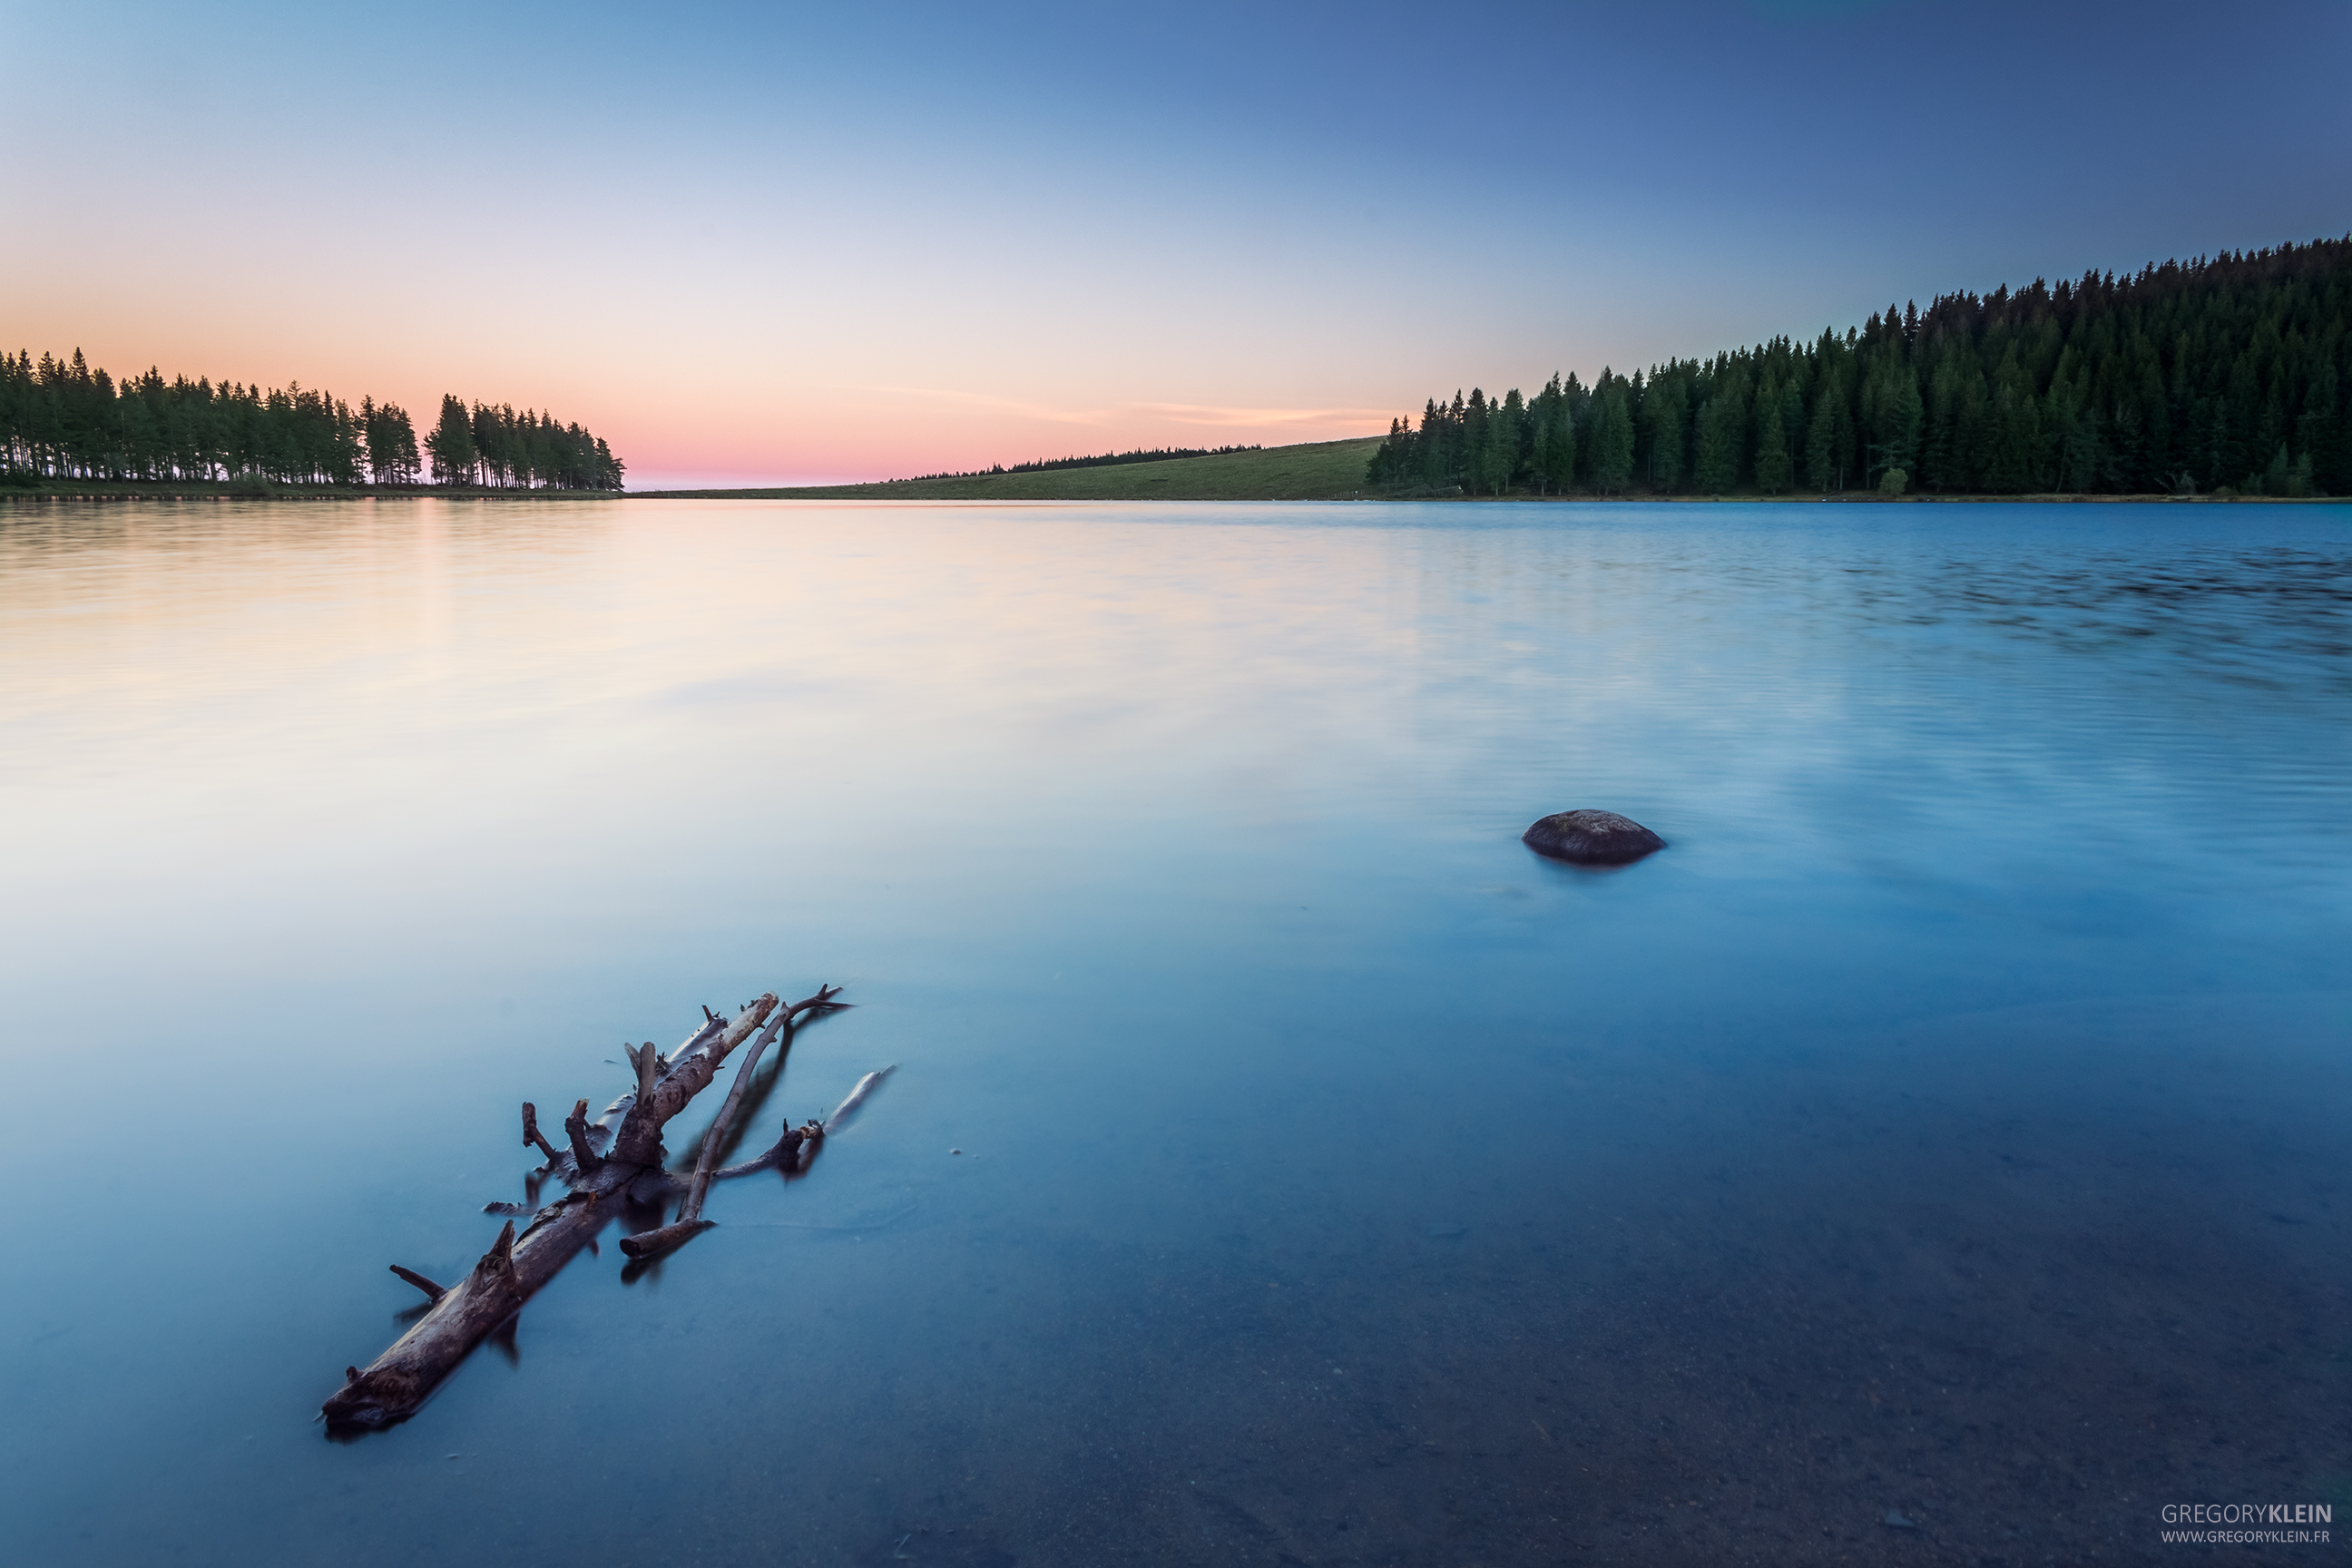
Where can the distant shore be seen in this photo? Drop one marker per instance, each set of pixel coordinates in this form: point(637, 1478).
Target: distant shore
point(237, 489)
point(1316, 470)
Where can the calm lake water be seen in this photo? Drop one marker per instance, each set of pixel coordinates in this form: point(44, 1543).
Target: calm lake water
point(1951, 1122)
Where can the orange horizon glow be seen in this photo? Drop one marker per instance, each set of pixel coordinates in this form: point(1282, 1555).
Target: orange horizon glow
point(809, 436)
point(805, 244)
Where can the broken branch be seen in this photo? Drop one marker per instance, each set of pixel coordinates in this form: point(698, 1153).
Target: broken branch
point(866, 1085)
point(638, 1142)
point(531, 1134)
point(715, 1139)
point(397, 1382)
point(460, 1316)
point(689, 1221)
point(784, 1154)
point(583, 1152)
point(432, 1292)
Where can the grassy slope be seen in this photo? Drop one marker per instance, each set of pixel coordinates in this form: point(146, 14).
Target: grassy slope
point(1320, 470)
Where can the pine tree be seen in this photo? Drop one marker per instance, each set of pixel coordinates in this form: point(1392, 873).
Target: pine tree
point(1821, 444)
point(455, 455)
point(1429, 451)
point(1773, 473)
point(1504, 425)
point(1665, 409)
point(1612, 436)
point(1722, 431)
point(1559, 467)
point(1469, 471)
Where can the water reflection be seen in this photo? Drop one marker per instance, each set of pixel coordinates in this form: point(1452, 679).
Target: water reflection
point(1948, 1125)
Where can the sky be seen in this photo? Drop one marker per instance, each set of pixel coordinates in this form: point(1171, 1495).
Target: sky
point(778, 243)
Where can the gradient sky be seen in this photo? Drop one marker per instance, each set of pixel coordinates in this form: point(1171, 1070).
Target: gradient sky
point(776, 243)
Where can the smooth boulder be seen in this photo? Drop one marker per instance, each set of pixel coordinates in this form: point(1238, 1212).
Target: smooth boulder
point(1592, 838)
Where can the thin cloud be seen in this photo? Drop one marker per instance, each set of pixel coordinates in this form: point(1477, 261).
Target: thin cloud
point(1203, 414)
point(1002, 404)
point(1210, 414)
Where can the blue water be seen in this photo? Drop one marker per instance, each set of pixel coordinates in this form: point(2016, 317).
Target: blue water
point(1949, 1122)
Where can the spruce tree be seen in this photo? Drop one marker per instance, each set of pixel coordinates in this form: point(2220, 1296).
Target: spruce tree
point(1772, 469)
point(1506, 424)
point(1612, 436)
point(455, 455)
point(1665, 410)
point(1722, 431)
point(1821, 444)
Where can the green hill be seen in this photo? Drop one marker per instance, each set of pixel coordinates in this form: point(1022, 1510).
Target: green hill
point(1316, 470)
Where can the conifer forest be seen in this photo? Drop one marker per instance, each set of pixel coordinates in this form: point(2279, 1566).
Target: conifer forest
point(2221, 374)
point(62, 419)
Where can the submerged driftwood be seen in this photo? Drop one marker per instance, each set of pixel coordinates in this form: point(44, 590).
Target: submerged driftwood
point(605, 1171)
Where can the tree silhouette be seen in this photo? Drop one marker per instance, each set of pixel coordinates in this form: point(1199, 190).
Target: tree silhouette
point(2230, 371)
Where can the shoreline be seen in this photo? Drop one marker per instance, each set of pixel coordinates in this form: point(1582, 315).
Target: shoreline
point(1323, 471)
point(1850, 496)
point(228, 490)
point(900, 492)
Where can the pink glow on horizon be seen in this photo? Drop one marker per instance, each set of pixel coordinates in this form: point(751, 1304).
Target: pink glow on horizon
point(820, 243)
point(952, 433)
point(675, 425)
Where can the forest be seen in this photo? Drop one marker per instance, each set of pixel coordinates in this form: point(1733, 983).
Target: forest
point(62, 419)
point(2221, 375)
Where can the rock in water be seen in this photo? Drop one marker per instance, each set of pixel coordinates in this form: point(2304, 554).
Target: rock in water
point(1592, 838)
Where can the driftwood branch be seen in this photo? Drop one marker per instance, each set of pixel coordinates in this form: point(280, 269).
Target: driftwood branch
point(584, 1158)
point(398, 1381)
point(531, 1134)
point(715, 1139)
point(605, 1169)
point(689, 1221)
point(638, 1143)
point(432, 1292)
point(857, 1097)
point(784, 1153)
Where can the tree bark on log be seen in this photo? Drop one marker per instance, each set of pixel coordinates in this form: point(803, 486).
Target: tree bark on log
point(393, 1387)
point(689, 1221)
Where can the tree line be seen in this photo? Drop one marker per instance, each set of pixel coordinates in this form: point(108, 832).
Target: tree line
point(1107, 460)
point(63, 420)
point(498, 446)
point(2225, 373)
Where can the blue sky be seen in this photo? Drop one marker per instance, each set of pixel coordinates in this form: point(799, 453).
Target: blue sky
point(774, 242)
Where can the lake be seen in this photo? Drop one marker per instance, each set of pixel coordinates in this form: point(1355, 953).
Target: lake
point(1935, 1154)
